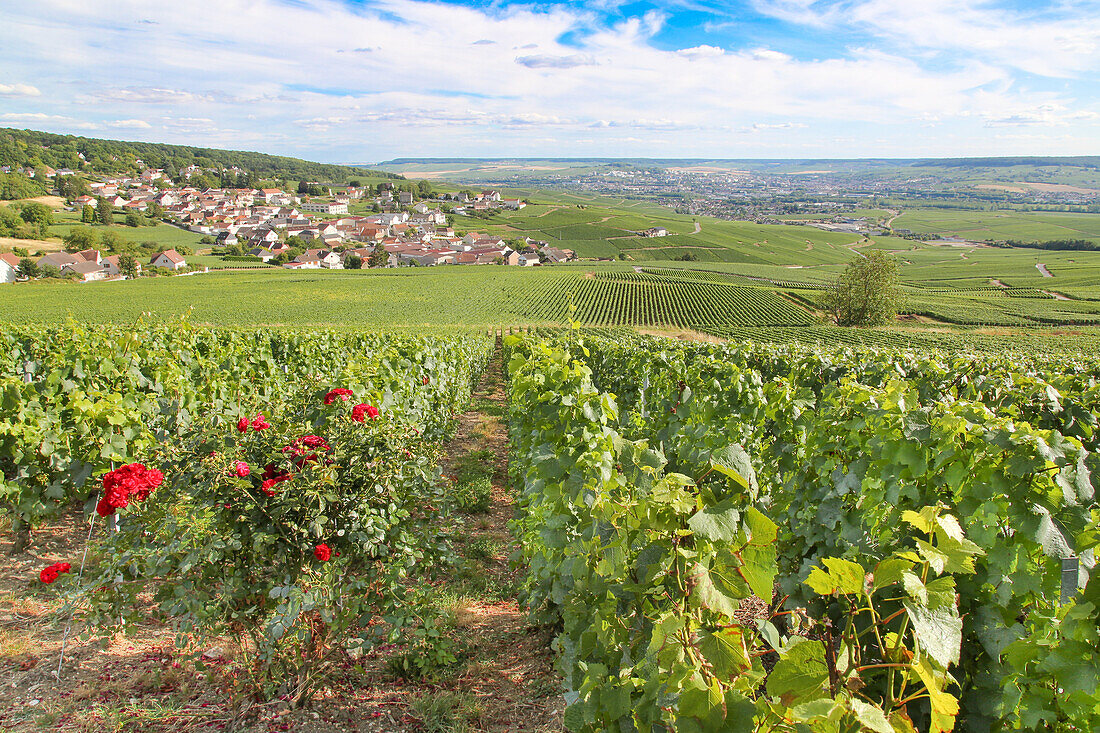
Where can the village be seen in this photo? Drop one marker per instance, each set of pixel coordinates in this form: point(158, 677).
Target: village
point(312, 232)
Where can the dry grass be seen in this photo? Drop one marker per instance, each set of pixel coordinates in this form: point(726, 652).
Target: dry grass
point(31, 245)
point(682, 334)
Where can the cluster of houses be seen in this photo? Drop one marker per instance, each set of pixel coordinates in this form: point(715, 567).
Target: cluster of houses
point(447, 249)
point(485, 201)
point(260, 221)
point(88, 264)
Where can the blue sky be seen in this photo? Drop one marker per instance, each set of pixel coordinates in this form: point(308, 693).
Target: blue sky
point(369, 80)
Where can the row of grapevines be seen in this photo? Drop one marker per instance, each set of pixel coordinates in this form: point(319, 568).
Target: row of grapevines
point(847, 442)
point(645, 560)
point(75, 400)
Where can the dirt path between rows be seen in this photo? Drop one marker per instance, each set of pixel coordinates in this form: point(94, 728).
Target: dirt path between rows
point(1043, 270)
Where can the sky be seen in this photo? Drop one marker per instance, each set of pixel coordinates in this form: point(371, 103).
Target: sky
point(359, 81)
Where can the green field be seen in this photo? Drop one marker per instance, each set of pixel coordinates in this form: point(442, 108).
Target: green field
point(165, 235)
point(990, 226)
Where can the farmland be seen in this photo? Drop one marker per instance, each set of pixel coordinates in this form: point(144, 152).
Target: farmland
point(988, 226)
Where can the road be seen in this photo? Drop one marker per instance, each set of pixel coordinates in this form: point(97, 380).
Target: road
point(1043, 269)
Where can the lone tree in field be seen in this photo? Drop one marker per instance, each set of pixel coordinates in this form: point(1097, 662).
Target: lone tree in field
point(866, 294)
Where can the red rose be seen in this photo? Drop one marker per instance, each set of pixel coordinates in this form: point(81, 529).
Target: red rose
point(340, 392)
point(260, 422)
point(104, 508)
point(358, 411)
point(242, 425)
point(242, 470)
point(133, 481)
point(48, 575)
point(268, 485)
point(322, 552)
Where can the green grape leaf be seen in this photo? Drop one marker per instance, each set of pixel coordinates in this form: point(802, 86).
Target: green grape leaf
point(870, 716)
point(726, 651)
point(889, 571)
point(719, 523)
point(800, 674)
point(939, 631)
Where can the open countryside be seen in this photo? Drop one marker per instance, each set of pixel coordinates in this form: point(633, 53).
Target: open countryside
point(449, 367)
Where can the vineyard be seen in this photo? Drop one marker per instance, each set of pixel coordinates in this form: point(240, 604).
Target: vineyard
point(748, 536)
point(779, 538)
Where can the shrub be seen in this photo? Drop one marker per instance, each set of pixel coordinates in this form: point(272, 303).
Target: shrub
point(297, 535)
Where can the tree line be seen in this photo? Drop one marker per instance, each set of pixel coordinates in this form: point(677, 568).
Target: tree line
point(31, 148)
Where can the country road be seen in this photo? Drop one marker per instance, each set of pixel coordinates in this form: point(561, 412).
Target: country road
point(1043, 269)
point(697, 228)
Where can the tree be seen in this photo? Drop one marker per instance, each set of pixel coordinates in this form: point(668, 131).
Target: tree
point(71, 187)
point(127, 265)
point(80, 238)
point(353, 262)
point(114, 242)
point(104, 211)
point(87, 214)
point(38, 215)
point(379, 257)
point(132, 219)
point(27, 269)
point(866, 293)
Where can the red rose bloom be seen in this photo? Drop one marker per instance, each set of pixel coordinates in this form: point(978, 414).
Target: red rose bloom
point(104, 508)
point(340, 392)
point(50, 574)
point(241, 469)
point(260, 422)
point(359, 411)
point(322, 552)
point(242, 425)
point(130, 482)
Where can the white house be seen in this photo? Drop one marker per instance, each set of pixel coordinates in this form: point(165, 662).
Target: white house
point(327, 207)
point(170, 259)
point(86, 269)
point(9, 263)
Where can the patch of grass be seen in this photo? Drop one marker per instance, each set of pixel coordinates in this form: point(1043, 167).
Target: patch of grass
point(488, 407)
point(448, 712)
point(482, 549)
point(474, 496)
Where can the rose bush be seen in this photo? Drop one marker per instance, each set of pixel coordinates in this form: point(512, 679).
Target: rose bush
point(308, 553)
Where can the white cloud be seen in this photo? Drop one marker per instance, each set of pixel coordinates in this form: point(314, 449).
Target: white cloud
point(700, 51)
point(19, 90)
point(129, 124)
point(234, 73)
point(548, 61)
point(32, 117)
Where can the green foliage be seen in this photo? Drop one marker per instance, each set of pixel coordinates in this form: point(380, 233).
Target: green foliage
point(22, 147)
point(379, 257)
point(644, 569)
point(866, 293)
point(473, 495)
point(17, 186)
point(80, 238)
point(854, 444)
